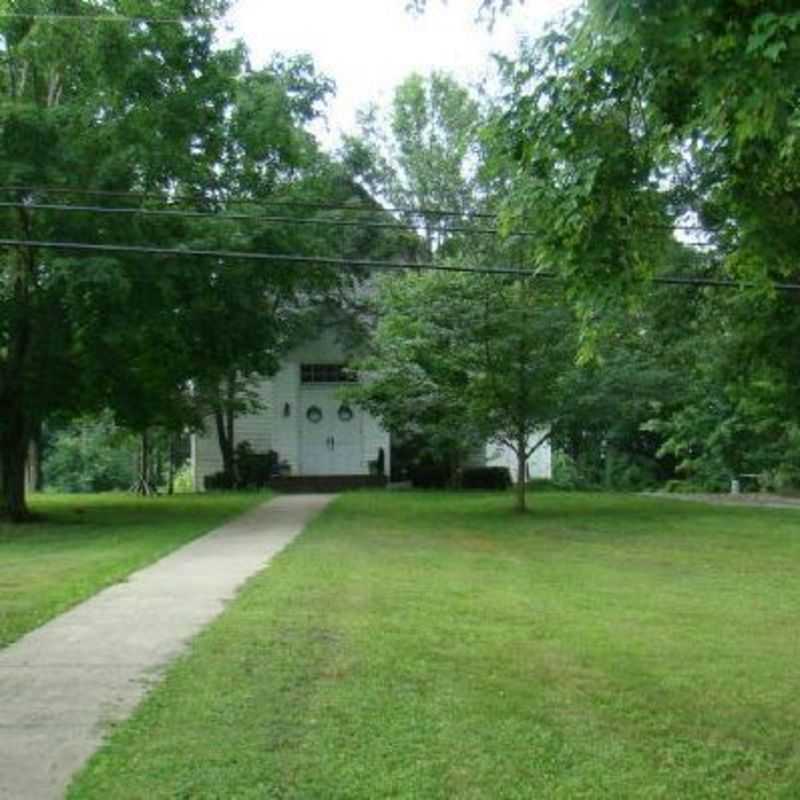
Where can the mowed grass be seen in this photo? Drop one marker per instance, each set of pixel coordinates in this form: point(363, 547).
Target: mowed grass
point(441, 646)
point(88, 542)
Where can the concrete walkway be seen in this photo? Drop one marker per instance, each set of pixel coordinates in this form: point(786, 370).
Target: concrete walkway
point(760, 500)
point(62, 684)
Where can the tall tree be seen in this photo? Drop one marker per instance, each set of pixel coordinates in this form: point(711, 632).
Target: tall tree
point(423, 152)
point(636, 117)
point(414, 375)
point(467, 359)
point(634, 121)
point(524, 350)
point(87, 103)
point(738, 411)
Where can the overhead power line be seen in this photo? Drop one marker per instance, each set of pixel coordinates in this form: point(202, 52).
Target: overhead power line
point(270, 257)
point(226, 215)
point(352, 207)
point(669, 280)
point(100, 18)
point(278, 219)
point(376, 208)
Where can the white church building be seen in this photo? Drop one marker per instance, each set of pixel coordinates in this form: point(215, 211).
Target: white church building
point(316, 431)
point(305, 420)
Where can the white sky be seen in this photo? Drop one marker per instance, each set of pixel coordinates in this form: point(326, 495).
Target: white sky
point(370, 46)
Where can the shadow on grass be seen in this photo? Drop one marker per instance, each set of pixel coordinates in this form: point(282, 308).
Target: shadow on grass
point(557, 515)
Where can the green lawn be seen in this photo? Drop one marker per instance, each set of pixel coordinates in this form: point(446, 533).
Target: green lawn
point(440, 646)
point(88, 542)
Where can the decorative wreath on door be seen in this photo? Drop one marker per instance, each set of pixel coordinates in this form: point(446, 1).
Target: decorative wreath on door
point(314, 414)
point(345, 413)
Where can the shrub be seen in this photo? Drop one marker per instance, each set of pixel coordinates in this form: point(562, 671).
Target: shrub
point(430, 476)
point(784, 479)
point(255, 469)
point(183, 482)
point(566, 472)
point(219, 481)
point(91, 455)
point(486, 478)
point(619, 471)
point(542, 485)
point(633, 473)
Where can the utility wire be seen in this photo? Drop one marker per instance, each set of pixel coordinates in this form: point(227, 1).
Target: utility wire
point(100, 18)
point(271, 257)
point(420, 211)
point(278, 219)
point(670, 280)
point(375, 209)
point(188, 214)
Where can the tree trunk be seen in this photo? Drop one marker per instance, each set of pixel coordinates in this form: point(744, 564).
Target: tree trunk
point(225, 419)
point(230, 433)
point(14, 446)
point(522, 463)
point(454, 468)
point(225, 441)
point(171, 464)
point(15, 424)
point(157, 466)
point(34, 477)
point(143, 485)
point(608, 467)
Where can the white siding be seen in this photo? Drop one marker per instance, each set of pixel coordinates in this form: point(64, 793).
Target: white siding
point(324, 350)
point(286, 429)
point(273, 429)
point(206, 458)
point(539, 464)
point(254, 428)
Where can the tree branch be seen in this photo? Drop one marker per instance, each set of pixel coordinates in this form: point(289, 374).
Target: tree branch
point(532, 450)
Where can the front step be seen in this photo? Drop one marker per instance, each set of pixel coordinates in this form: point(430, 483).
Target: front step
point(326, 484)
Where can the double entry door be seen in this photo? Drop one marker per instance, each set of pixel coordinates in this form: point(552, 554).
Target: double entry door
point(330, 435)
